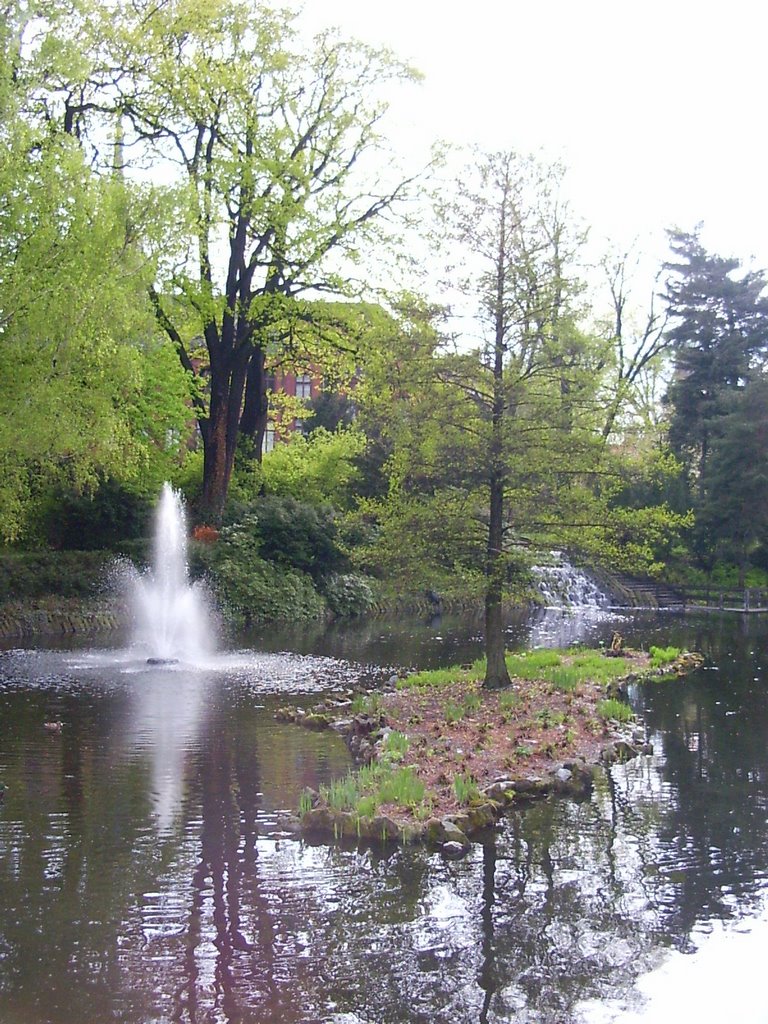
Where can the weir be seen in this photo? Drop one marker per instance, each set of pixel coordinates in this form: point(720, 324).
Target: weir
point(562, 585)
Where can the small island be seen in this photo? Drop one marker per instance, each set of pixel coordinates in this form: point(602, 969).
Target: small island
point(439, 757)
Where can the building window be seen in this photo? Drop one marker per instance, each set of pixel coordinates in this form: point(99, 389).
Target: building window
point(304, 386)
point(269, 438)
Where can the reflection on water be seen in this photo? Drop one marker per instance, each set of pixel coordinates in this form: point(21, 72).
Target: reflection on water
point(145, 875)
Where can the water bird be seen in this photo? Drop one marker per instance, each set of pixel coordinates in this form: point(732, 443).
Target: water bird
point(53, 727)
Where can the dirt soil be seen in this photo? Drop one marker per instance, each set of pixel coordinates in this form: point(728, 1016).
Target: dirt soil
point(525, 730)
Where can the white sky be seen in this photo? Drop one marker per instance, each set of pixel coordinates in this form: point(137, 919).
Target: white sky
point(657, 108)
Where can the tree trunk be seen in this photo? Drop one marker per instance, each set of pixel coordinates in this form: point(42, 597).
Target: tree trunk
point(496, 674)
point(253, 422)
point(220, 436)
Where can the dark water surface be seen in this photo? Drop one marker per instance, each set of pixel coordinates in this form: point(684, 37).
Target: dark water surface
point(144, 876)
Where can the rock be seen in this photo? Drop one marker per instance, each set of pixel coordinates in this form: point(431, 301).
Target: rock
point(289, 823)
point(440, 831)
point(563, 774)
point(341, 725)
point(502, 791)
point(379, 828)
point(318, 819)
point(454, 850)
point(618, 752)
point(482, 815)
point(532, 787)
point(434, 831)
point(315, 721)
point(452, 831)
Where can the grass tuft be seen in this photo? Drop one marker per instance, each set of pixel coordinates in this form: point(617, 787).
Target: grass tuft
point(465, 789)
point(614, 709)
point(663, 655)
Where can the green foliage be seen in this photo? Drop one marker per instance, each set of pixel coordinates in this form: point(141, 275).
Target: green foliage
point(290, 533)
point(663, 655)
point(532, 664)
point(616, 710)
point(546, 665)
point(396, 746)
point(362, 792)
point(438, 677)
point(465, 789)
point(86, 391)
point(546, 718)
point(454, 712)
point(347, 594)
point(252, 589)
point(107, 518)
point(317, 469)
point(28, 575)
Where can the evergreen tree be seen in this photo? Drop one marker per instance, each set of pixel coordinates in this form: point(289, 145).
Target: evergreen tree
point(736, 513)
point(719, 332)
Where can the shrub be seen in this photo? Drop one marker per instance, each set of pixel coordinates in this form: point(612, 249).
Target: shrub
point(98, 521)
point(314, 469)
point(347, 594)
point(28, 575)
point(252, 589)
point(290, 533)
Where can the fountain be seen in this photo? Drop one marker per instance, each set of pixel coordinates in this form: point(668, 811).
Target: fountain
point(172, 622)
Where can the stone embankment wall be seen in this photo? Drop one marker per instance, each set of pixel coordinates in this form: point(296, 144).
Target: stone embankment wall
point(57, 617)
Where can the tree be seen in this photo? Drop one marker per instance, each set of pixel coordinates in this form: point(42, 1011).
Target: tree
point(276, 146)
point(735, 516)
point(719, 318)
point(526, 384)
point(719, 332)
point(635, 349)
point(80, 355)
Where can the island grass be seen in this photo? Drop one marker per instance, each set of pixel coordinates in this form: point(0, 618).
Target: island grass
point(614, 709)
point(565, 669)
point(362, 791)
point(465, 789)
point(663, 655)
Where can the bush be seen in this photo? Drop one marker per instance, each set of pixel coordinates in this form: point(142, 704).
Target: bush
point(28, 575)
point(291, 533)
point(317, 469)
point(105, 519)
point(348, 594)
point(250, 588)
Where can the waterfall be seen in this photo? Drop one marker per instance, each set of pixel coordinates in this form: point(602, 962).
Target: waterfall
point(562, 585)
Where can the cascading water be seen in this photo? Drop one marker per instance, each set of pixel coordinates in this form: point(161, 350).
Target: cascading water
point(574, 605)
point(562, 585)
point(171, 619)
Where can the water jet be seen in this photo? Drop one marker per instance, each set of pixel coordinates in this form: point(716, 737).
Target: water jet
point(171, 619)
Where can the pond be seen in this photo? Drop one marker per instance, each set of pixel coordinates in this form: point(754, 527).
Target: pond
point(145, 876)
